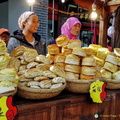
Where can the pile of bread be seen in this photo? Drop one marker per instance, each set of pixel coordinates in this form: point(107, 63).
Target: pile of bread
point(78, 62)
point(34, 70)
point(8, 76)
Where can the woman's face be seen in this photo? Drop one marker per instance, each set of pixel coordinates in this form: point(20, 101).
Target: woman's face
point(75, 29)
point(32, 24)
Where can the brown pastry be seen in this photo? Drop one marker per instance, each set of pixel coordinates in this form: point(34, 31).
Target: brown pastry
point(45, 84)
point(110, 67)
point(88, 70)
point(79, 51)
point(72, 68)
point(74, 43)
point(65, 50)
point(61, 65)
point(42, 59)
point(62, 40)
point(58, 71)
point(53, 49)
point(87, 77)
point(51, 58)
point(33, 72)
point(72, 59)
point(89, 61)
point(59, 58)
point(58, 80)
point(71, 75)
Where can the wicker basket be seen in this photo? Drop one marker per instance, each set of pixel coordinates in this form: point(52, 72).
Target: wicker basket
point(37, 93)
point(12, 93)
point(112, 83)
point(78, 86)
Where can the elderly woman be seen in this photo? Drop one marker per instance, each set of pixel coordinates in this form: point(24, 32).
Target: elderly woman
point(27, 36)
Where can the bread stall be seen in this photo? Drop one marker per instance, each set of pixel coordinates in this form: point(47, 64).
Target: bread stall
point(56, 86)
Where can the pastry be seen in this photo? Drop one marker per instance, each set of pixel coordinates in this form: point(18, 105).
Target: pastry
point(45, 84)
point(59, 58)
point(62, 40)
point(58, 80)
point(71, 75)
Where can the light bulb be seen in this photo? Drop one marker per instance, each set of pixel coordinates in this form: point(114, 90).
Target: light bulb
point(93, 15)
point(62, 1)
point(30, 2)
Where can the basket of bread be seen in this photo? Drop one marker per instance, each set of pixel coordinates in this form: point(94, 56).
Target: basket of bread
point(38, 79)
point(8, 76)
point(111, 70)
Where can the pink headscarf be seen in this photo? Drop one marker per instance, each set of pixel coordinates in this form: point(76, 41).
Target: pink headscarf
point(66, 27)
point(24, 16)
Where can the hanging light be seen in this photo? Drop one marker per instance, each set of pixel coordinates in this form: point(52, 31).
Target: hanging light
point(93, 15)
point(62, 1)
point(31, 2)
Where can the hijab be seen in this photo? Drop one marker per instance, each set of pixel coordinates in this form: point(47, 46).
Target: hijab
point(67, 26)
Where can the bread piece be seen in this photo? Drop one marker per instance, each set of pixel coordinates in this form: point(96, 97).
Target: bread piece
point(33, 72)
point(110, 67)
point(45, 84)
point(106, 74)
point(32, 83)
point(23, 62)
point(79, 51)
point(6, 89)
point(22, 78)
point(30, 55)
point(117, 51)
point(65, 50)
point(89, 51)
point(112, 59)
point(74, 43)
point(118, 60)
point(32, 64)
point(72, 68)
point(72, 59)
point(89, 61)
point(58, 80)
point(88, 70)
point(49, 74)
point(95, 47)
point(42, 59)
point(43, 67)
point(58, 71)
point(56, 85)
point(103, 52)
point(62, 40)
point(4, 60)
point(3, 48)
point(59, 58)
point(22, 67)
point(18, 51)
point(14, 63)
point(60, 65)
point(99, 61)
point(53, 49)
point(71, 75)
point(51, 58)
point(40, 78)
point(87, 77)
point(116, 75)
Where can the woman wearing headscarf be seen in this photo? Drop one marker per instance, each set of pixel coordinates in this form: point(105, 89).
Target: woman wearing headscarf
point(27, 36)
point(71, 28)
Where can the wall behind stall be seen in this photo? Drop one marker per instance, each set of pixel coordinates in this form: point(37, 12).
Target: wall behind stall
point(4, 15)
point(15, 9)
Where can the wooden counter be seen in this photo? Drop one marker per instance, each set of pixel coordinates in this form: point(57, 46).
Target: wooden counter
point(69, 106)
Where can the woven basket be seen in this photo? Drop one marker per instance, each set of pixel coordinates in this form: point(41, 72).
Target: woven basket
point(12, 93)
point(37, 93)
point(78, 86)
point(112, 83)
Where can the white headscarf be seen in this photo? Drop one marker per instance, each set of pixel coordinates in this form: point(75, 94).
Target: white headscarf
point(24, 16)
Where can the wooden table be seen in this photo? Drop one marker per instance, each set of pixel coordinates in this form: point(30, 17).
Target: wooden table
point(69, 106)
